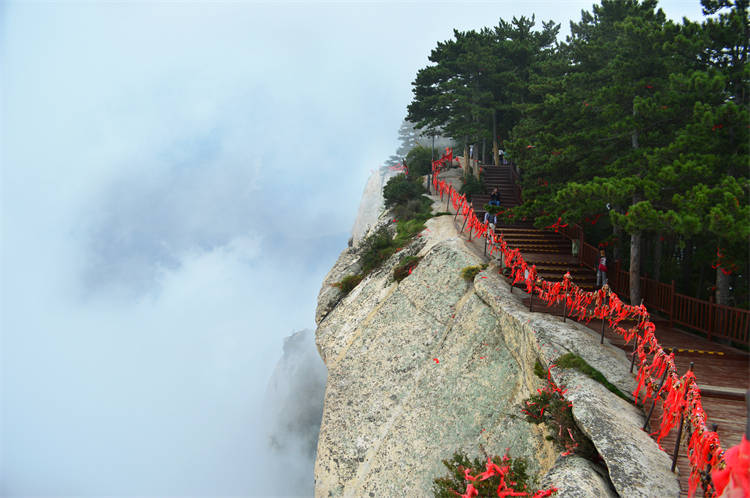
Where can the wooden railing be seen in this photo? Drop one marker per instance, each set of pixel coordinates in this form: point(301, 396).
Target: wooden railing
point(516, 181)
point(713, 319)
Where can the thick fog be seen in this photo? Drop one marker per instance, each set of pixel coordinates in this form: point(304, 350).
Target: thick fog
point(176, 180)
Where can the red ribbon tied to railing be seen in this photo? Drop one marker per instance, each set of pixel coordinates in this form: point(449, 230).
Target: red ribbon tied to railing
point(682, 392)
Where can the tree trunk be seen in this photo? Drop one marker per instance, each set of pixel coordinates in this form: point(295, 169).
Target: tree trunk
point(699, 289)
point(635, 268)
point(495, 150)
point(722, 287)
point(634, 135)
point(467, 163)
point(687, 267)
point(617, 251)
point(658, 250)
point(484, 149)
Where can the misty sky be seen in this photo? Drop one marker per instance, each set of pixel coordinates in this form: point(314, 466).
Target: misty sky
point(176, 180)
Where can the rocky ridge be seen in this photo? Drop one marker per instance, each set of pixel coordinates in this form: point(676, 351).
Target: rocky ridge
point(433, 364)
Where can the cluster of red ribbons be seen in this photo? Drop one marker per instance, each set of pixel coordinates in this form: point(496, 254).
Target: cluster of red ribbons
point(679, 395)
point(439, 164)
point(727, 268)
point(399, 167)
point(505, 488)
point(535, 411)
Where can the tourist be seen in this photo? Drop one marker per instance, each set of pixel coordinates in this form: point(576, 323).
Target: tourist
point(601, 269)
point(490, 220)
point(495, 197)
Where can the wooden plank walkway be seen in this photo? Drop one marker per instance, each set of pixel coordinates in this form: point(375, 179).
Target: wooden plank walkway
point(716, 366)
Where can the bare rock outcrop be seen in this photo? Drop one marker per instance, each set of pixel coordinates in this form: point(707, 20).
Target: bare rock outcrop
point(416, 371)
point(576, 477)
point(434, 364)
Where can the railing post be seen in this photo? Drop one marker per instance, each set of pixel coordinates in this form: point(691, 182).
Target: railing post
point(632, 360)
point(682, 423)
point(651, 411)
point(602, 340)
point(711, 316)
point(531, 297)
point(671, 305)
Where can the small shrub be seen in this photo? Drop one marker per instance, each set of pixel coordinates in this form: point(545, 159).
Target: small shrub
point(406, 230)
point(571, 360)
point(376, 248)
point(469, 272)
point(405, 267)
point(419, 161)
point(549, 406)
point(539, 370)
point(471, 186)
point(400, 190)
point(516, 478)
point(348, 283)
point(419, 208)
point(492, 209)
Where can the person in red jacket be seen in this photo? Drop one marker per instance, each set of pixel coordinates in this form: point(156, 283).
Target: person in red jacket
point(601, 269)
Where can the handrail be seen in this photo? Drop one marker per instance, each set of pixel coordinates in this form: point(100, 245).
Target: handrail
point(683, 397)
point(714, 319)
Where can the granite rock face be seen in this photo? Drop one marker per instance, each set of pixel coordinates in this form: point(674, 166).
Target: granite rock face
point(434, 364)
point(576, 477)
point(636, 465)
point(416, 371)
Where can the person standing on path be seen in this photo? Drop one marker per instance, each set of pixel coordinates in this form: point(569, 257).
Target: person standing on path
point(601, 269)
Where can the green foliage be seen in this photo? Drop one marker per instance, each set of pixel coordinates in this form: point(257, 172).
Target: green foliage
point(405, 267)
point(539, 370)
point(376, 248)
point(382, 244)
point(419, 161)
point(406, 230)
point(549, 406)
point(472, 186)
point(571, 360)
point(492, 209)
point(635, 121)
point(454, 482)
point(469, 272)
point(477, 79)
point(348, 283)
point(419, 208)
point(400, 189)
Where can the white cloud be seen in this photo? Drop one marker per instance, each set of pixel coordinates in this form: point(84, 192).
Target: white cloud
point(176, 179)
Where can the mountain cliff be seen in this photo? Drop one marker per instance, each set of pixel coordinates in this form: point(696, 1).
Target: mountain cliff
point(421, 368)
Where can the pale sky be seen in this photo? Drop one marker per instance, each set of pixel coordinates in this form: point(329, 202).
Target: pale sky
point(176, 180)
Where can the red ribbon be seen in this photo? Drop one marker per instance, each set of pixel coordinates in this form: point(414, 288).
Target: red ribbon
point(682, 392)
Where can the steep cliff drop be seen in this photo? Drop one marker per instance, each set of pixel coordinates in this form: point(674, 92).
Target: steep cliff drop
point(435, 363)
point(371, 205)
point(293, 407)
